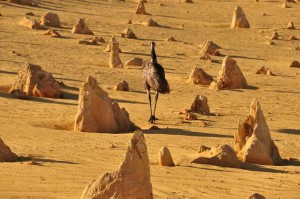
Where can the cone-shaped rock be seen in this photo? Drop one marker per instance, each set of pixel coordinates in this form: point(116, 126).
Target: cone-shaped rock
point(151, 22)
point(140, 9)
point(220, 156)
point(34, 81)
point(50, 19)
point(253, 142)
point(290, 25)
point(230, 76)
point(165, 157)
point(130, 181)
point(122, 86)
point(128, 33)
point(199, 76)
point(6, 155)
point(81, 28)
point(97, 112)
point(239, 19)
point(199, 105)
point(114, 58)
point(30, 23)
point(209, 47)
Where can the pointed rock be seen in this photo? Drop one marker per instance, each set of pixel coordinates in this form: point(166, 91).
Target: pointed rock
point(97, 112)
point(114, 58)
point(274, 36)
point(81, 28)
point(6, 155)
point(293, 37)
point(290, 25)
point(128, 33)
point(209, 47)
point(30, 23)
point(223, 156)
point(34, 81)
point(122, 86)
point(295, 64)
point(131, 180)
point(199, 76)
point(199, 105)
point(50, 19)
point(151, 22)
point(165, 157)
point(239, 19)
point(230, 76)
point(141, 10)
point(253, 142)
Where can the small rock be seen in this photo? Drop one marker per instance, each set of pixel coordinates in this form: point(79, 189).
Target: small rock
point(50, 19)
point(141, 10)
point(122, 86)
point(15, 53)
point(270, 43)
point(129, 21)
point(297, 48)
point(202, 148)
point(191, 116)
point(199, 105)
point(81, 28)
point(128, 33)
point(135, 62)
point(52, 33)
point(293, 37)
point(295, 64)
point(154, 128)
point(239, 19)
point(290, 25)
point(29, 13)
point(263, 70)
point(170, 39)
point(30, 23)
point(151, 22)
point(256, 196)
point(199, 76)
point(165, 157)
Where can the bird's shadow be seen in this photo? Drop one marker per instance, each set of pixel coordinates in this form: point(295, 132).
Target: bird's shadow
point(177, 131)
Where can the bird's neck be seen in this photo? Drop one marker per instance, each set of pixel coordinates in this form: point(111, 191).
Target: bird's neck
point(153, 55)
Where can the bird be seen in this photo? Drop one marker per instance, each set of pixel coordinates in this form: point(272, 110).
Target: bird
point(154, 77)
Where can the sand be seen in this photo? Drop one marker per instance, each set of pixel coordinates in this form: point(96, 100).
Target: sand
point(70, 160)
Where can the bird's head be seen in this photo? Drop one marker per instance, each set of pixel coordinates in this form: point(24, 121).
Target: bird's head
point(152, 44)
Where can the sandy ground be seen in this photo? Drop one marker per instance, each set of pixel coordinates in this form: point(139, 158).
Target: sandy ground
point(69, 160)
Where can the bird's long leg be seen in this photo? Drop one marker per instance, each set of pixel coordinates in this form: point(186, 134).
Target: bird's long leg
point(156, 98)
point(149, 98)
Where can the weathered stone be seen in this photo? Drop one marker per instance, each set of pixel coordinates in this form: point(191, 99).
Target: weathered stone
point(256, 196)
point(165, 157)
point(122, 86)
point(135, 62)
point(264, 71)
point(140, 9)
point(210, 48)
point(199, 105)
point(34, 81)
point(130, 181)
point(295, 64)
point(30, 23)
point(114, 58)
point(239, 19)
point(6, 155)
point(97, 112)
point(52, 33)
point(293, 37)
point(199, 76)
point(128, 33)
point(81, 28)
point(290, 25)
point(151, 22)
point(108, 47)
point(50, 19)
point(223, 156)
point(253, 142)
point(230, 76)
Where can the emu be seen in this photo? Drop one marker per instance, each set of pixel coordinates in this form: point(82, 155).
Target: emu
point(154, 77)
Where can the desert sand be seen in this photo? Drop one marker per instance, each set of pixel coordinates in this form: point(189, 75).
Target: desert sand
point(66, 161)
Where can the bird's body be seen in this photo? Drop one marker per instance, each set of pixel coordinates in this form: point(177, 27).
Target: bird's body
point(154, 77)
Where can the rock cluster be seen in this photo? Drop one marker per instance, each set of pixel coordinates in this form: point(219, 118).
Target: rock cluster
point(30, 23)
point(34, 81)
